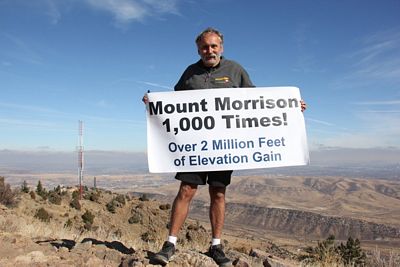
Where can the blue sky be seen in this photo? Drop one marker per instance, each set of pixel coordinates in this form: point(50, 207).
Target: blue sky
point(67, 60)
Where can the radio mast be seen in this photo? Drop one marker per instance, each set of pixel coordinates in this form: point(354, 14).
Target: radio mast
point(80, 159)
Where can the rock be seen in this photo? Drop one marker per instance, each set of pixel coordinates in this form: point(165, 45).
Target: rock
point(113, 255)
point(82, 248)
point(258, 253)
point(266, 263)
point(34, 256)
point(133, 261)
point(63, 250)
point(240, 263)
point(95, 262)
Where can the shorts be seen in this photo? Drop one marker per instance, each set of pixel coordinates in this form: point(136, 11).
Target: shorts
point(216, 178)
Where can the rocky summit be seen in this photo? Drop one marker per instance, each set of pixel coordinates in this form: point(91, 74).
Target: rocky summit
point(101, 228)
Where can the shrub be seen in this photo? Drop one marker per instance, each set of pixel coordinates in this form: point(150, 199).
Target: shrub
point(351, 252)
point(376, 259)
point(120, 199)
point(39, 187)
point(148, 237)
point(112, 206)
point(58, 189)
point(68, 223)
point(88, 219)
point(118, 233)
point(41, 191)
point(54, 198)
point(135, 218)
point(8, 197)
point(24, 187)
point(326, 253)
point(75, 204)
point(92, 196)
point(42, 215)
point(75, 194)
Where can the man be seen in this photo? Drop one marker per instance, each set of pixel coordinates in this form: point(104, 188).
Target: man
point(211, 71)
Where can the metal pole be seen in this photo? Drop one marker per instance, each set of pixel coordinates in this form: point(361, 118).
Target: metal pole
point(80, 159)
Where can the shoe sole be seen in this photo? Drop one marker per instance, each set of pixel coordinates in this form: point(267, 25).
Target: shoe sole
point(161, 260)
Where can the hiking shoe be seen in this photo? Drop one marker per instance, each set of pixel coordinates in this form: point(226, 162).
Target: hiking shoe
point(165, 254)
point(218, 255)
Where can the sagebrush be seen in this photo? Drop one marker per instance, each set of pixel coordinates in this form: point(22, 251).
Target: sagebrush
point(8, 197)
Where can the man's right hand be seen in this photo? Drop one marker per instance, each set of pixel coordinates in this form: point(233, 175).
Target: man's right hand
point(145, 99)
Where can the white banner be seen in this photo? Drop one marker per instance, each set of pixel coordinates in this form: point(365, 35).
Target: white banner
point(225, 129)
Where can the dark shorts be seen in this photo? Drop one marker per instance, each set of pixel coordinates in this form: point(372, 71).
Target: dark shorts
point(217, 178)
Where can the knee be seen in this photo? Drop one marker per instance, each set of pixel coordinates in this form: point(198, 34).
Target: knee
point(217, 193)
point(187, 191)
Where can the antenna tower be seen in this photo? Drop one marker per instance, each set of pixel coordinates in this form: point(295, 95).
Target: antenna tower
point(80, 159)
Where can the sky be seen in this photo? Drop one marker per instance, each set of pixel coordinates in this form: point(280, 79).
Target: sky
point(62, 61)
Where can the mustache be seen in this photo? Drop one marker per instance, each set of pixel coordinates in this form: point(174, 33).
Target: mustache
point(213, 56)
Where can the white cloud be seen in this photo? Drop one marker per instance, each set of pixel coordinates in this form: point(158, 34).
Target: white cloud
point(25, 123)
point(163, 6)
point(52, 11)
point(123, 10)
point(383, 111)
point(18, 50)
point(126, 11)
point(383, 103)
point(46, 113)
point(306, 60)
point(29, 108)
point(103, 104)
point(320, 122)
point(378, 57)
point(374, 64)
point(156, 85)
point(378, 129)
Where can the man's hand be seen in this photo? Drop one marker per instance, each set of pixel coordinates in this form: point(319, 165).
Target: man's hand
point(145, 99)
point(303, 105)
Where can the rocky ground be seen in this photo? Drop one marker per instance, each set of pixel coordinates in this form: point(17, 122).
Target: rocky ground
point(122, 231)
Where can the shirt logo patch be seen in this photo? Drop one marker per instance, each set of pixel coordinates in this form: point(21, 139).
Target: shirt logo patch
point(222, 79)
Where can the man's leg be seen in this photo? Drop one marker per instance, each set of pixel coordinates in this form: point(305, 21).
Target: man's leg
point(217, 217)
point(180, 210)
point(180, 207)
point(217, 210)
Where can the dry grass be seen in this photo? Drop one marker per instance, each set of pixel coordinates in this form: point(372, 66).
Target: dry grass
point(330, 260)
point(106, 226)
point(379, 260)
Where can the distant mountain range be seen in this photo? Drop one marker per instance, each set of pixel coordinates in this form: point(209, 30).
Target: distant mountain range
point(367, 163)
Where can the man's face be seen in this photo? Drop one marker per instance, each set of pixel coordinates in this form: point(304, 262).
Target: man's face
point(210, 49)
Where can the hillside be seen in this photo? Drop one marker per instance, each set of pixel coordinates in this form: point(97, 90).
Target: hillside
point(127, 229)
point(126, 232)
point(371, 200)
point(308, 208)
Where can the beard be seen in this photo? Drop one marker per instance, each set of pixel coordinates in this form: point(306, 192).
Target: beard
point(211, 60)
